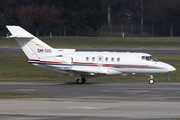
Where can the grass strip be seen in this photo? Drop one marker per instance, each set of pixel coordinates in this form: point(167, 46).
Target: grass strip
point(103, 42)
point(5, 95)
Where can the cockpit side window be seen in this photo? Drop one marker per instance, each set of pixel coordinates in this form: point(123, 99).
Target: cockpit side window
point(143, 58)
point(149, 58)
point(153, 59)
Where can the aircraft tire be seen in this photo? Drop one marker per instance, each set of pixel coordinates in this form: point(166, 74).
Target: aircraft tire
point(151, 81)
point(79, 81)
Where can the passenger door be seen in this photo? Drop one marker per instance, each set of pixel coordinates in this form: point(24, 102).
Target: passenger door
point(100, 61)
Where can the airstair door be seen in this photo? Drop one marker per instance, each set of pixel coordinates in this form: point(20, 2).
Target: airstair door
point(100, 61)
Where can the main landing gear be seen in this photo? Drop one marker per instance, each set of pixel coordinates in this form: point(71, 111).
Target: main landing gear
point(151, 80)
point(81, 81)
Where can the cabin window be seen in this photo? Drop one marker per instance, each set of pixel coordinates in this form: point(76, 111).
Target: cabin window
point(100, 59)
point(106, 59)
point(112, 59)
point(87, 58)
point(118, 59)
point(93, 58)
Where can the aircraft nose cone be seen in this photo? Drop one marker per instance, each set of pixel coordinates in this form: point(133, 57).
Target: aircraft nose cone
point(168, 67)
point(171, 68)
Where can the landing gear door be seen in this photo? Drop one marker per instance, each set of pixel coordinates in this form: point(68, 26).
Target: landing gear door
point(100, 61)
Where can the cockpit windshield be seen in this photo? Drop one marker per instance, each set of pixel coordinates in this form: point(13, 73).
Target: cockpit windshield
point(149, 58)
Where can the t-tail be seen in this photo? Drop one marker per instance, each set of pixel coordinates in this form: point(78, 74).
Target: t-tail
point(31, 45)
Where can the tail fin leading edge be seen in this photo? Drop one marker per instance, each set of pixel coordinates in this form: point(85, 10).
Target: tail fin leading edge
point(32, 46)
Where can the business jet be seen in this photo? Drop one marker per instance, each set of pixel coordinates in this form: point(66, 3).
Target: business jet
point(84, 65)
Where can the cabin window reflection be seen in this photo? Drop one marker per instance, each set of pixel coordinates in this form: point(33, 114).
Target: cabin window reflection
point(112, 59)
point(106, 59)
point(118, 59)
point(87, 58)
point(93, 58)
point(100, 59)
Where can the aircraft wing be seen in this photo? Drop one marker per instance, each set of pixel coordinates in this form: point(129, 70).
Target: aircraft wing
point(84, 72)
point(88, 72)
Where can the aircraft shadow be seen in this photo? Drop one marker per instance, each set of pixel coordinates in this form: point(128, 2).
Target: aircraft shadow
point(75, 83)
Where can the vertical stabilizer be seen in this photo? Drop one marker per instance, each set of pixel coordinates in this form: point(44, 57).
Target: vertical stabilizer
point(32, 46)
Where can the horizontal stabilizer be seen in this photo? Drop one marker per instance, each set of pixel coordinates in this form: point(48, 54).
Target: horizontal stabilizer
point(12, 36)
point(18, 32)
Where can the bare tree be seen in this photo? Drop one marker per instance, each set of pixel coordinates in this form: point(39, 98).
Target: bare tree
point(119, 8)
point(55, 17)
point(140, 7)
point(106, 6)
point(171, 14)
point(140, 11)
point(25, 16)
point(115, 9)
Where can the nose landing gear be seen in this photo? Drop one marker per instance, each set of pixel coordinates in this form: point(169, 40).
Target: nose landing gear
point(151, 80)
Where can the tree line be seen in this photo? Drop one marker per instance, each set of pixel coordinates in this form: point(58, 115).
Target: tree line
point(82, 14)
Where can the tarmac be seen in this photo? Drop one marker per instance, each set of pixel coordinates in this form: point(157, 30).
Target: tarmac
point(92, 101)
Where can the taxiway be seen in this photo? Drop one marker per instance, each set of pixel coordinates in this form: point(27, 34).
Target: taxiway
point(94, 100)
